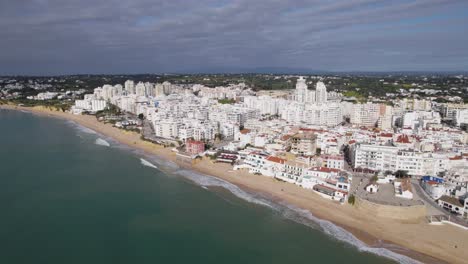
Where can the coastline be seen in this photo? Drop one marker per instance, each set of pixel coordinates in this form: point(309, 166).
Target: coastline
point(417, 237)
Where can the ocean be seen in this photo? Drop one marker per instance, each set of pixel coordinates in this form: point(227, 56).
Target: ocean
point(70, 195)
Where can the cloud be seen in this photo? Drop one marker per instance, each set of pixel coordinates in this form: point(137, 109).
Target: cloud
point(102, 36)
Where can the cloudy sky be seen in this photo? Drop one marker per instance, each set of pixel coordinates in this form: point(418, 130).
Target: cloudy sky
point(155, 36)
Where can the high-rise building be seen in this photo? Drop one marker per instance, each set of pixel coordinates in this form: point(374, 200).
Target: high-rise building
point(140, 89)
point(301, 90)
point(320, 93)
point(130, 87)
point(365, 114)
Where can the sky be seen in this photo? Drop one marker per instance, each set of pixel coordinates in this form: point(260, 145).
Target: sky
point(51, 37)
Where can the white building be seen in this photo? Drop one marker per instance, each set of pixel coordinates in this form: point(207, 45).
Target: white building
point(320, 93)
point(301, 90)
point(461, 117)
point(365, 114)
point(130, 87)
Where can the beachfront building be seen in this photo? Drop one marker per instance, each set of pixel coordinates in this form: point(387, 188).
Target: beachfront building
point(89, 104)
point(375, 157)
point(372, 187)
point(434, 186)
point(278, 134)
point(451, 204)
point(194, 147)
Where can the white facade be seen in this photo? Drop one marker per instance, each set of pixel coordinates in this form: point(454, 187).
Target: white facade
point(130, 87)
point(461, 117)
point(365, 114)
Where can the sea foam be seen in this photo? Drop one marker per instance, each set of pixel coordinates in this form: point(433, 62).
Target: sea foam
point(297, 215)
point(81, 128)
point(286, 210)
point(102, 142)
point(147, 163)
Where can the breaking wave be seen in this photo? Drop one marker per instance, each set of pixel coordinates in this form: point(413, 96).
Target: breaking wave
point(295, 214)
point(102, 142)
point(305, 217)
point(287, 211)
point(147, 163)
point(207, 181)
point(81, 128)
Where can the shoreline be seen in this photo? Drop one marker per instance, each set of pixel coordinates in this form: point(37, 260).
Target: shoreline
point(415, 240)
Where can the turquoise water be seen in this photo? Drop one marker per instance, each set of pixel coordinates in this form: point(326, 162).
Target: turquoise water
point(66, 199)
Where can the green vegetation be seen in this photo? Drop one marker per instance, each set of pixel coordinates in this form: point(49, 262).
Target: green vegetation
point(402, 174)
point(57, 105)
point(226, 101)
point(351, 199)
point(111, 110)
point(358, 85)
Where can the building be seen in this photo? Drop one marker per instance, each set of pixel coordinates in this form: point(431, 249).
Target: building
point(375, 157)
point(129, 87)
point(461, 117)
point(403, 189)
point(167, 129)
point(434, 186)
point(320, 93)
point(304, 144)
point(194, 147)
point(372, 187)
point(301, 90)
point(451, 204)
point(365, 114)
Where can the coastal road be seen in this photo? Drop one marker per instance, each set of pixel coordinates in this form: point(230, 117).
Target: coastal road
point(432, 207)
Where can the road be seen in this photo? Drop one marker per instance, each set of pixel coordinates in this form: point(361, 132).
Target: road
point(432, 207)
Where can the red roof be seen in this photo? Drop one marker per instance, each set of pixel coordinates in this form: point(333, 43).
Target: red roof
point(312, 130)
point(245, 131)
point(456, 158)
point(276, 159)
point(386, 134)
point(403, 139)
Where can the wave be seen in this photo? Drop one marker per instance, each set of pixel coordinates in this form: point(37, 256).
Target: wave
point(81, 128)
point(147, 163)
point(305, 217)
point(102, 142)
point(297, 215)
point(206, 181)
point(288, 211)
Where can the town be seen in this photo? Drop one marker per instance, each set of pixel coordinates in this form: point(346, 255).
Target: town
point(409, 151)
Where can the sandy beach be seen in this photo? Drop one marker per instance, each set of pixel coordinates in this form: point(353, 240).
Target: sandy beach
point(426, 243)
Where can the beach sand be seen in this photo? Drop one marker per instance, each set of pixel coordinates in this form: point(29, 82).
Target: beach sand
point(418, 240)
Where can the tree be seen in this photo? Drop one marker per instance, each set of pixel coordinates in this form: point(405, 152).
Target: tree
point(141, 116)
point(351, 199)
point(401, 174)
